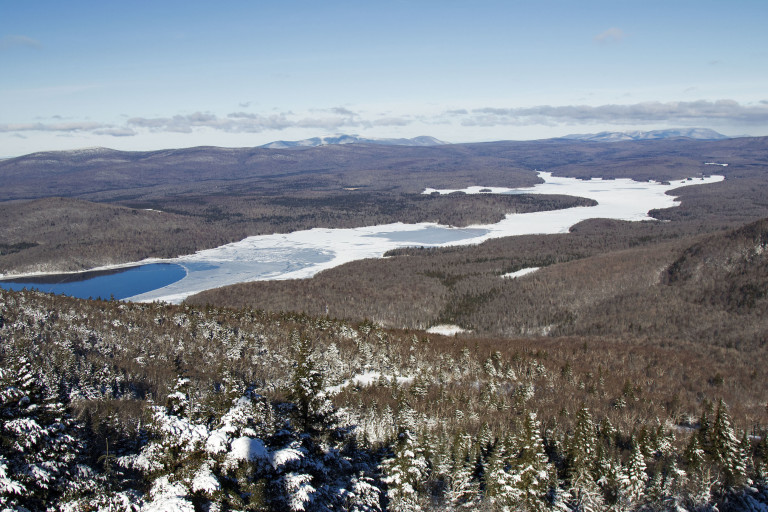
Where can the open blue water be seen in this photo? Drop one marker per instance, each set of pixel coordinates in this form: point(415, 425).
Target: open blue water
point(118, 283)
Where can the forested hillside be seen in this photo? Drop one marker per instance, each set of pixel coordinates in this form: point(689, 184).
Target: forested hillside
point(115, 406)
point(603, 278)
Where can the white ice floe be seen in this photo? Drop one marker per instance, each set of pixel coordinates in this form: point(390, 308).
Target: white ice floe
point(302, 254)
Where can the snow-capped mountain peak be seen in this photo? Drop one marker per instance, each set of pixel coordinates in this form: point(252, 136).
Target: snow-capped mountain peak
point(690, 133)
point(352, 139)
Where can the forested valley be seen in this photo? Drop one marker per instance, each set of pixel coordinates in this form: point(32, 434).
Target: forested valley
point(627, 373)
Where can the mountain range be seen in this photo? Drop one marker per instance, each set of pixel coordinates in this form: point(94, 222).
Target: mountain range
point(352, 139)
point(672, 133)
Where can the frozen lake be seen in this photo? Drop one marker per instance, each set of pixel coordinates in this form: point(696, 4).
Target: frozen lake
point(302, 254)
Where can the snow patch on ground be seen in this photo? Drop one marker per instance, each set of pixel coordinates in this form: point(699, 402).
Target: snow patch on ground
point(446, 329)
point(367, 379)
point(521, 272)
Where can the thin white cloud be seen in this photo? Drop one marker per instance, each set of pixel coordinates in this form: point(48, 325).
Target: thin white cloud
point(701, 113)
point(116, 132)
point(13, 41)
point(53, 127)
point(612, 35)
point(246, 122)
point(638, 113)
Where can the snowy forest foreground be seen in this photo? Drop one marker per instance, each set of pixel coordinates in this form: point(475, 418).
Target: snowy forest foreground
point(114, 406)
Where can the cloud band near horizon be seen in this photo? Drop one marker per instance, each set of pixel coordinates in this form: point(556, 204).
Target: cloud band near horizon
point(333, 119)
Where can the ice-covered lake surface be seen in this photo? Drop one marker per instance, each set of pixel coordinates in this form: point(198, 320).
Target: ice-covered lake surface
point(302, 254)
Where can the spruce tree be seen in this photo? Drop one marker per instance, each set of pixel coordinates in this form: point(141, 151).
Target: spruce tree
point(761, 457)
point(463, 490)
point(499, 484)
point(314, 411)
point(404, 473)
point(636, 475)
point(533, 473)
point(584, 492)
point(40, 446)
point(726, 449)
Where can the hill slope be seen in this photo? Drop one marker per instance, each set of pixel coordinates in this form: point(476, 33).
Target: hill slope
point(604, 278)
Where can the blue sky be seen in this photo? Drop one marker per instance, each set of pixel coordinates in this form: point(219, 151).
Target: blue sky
point(149, 75)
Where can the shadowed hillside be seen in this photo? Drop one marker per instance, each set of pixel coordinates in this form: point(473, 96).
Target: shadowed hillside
point(728, 271)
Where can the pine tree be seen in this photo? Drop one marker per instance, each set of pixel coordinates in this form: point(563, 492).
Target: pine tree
point(533, 473)
point(726, 450)
point(405, 473)
point(40, 446)
point(585, 493)
point(499, 484)
point(636, 475)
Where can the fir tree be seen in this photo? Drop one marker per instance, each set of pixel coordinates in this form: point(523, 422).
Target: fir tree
point(585, 495)
point(40, 446)
point(404, 473)
point(533, 473)
point(499, 489)
point(726, 449)
point(636, 478)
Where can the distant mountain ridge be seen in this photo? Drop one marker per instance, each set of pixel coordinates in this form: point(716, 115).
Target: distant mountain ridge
point(102, 174)
point(672, 133)
point(351, 139)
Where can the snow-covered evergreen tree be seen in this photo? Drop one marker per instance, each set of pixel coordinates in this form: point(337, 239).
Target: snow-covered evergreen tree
point(363, 495)
point(314, 410)
point(761, 458)
point(698, 487)
point(633, 487)
point(404, 473)
point(463, 490)
point(726, 449)
point(40, 446)
point(585, 494)
point(533, 473)
point(500, 490)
